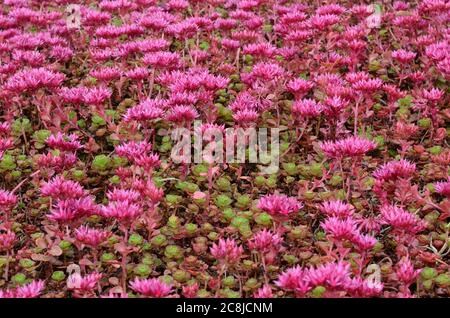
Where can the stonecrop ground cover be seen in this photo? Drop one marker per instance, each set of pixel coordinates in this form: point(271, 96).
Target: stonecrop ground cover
point(94, 204)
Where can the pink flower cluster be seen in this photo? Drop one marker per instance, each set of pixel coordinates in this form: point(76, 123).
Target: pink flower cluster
point(336, 277)
point(355, 203)
point(279, 204)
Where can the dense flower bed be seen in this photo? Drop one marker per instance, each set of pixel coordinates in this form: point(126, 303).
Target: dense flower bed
point(93, 204)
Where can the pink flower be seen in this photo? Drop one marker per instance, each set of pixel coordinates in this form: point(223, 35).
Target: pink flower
point(394, 170)
point(264, 72)
point(265, 241)
point(106, 74)
point(437, 51)
point(433, 6)
point(442, 188)
point(225, 24)
point(402, 220)
point(123, 195)
point(210, 130)
point(244, 101)
point(307, 108)
point(336, 208)
point(148, 162)
point(149, 190)
point(74, 95)
point(368, 86)
point(102, 56)
point(34, 79)
point(7, 240)
point(297, 36)
point(30, 290)
point(353, 77)
point(58, 162)
point(335, 105)
point(417, 77)
point(403, 56)
point(163, 60)
point(230, 44)
point(365, 288)
point(299, 87)
point(64, 142)
point(124, 211)
point(340, 229)
point(405, 271)
point(264, 292)
point(370, 224)
point(136, 153)
point(331, 9)
point(364, 242)
point(182, 99)
point(97, 95)
point(324, 21)
point(157, 20)
point(227, 250)
point(111, 6)
point(5, 144)
point(245, 117)
point(335, 276)
point(93, 17)
point(153, 287)
point(183, 30)
point(91, 237)
point(60, 188)
point(7, 200)
point(138, 73)
point(5, 128)
point(433, 95)
point(31, 58)
point(177, 5)
point(6, 294)
point(145, 111)
point(444, 67)
point(295, 279)
point(290, 15)
point(180, 114)
point(279, 204)
point(132, 149)
point(407, 21)
point(66, 210)
point(83, 283)
point(400, 5)
point(349, 147)
point(259, 49)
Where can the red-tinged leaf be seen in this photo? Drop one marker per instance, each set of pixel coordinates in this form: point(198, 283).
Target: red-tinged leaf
point(113, 281)
point(54, 261)
point(55, 250)
point(121, 248)
point(40, 257)
point(86, 262)
point(41, 242)
point(91, 146)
